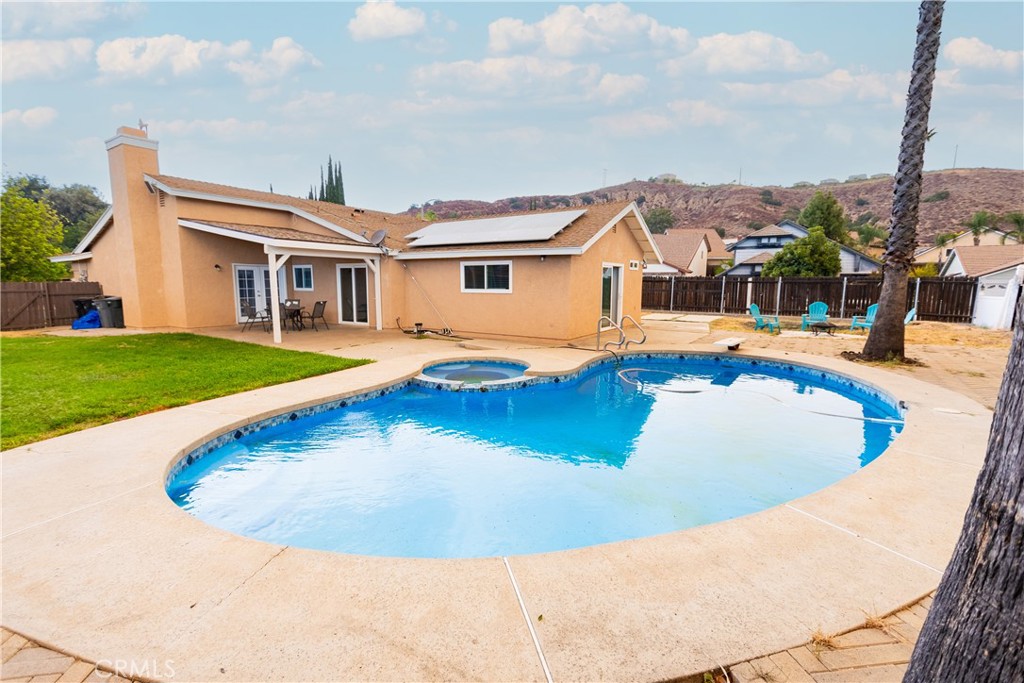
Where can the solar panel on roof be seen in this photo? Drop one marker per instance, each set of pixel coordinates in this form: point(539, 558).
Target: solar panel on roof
point(534, 227)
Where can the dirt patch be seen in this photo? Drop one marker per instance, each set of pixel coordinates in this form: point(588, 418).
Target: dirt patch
point(893, 361)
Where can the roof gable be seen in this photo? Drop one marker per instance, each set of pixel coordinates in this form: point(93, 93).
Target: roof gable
point(986, 259)
point(678, 247)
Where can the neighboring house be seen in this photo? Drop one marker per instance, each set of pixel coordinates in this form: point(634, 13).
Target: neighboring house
point(753, 251)
point(186, 254)
point(718, 254)
point(939, 255)
point(1000, 271)
point(684, 250)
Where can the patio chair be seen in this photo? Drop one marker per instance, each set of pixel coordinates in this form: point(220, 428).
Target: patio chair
point(760, 321)
point(816, 313)
point(911, 316)
point(864, 322)
point(252, 317)
point(318, 312)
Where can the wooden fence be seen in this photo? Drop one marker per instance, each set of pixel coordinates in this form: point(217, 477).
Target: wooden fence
point(28, 305)
point(941, 299)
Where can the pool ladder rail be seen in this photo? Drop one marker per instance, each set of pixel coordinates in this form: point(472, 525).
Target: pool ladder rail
point(623, 341)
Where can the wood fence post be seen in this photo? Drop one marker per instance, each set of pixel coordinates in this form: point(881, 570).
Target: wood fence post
point(47, 318)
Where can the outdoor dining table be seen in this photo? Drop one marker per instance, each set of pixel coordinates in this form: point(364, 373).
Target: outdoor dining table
point(294, 316)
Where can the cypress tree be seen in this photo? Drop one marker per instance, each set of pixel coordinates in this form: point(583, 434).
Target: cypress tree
point(332, 188)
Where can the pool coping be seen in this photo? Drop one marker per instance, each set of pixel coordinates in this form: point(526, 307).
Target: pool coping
point(108, 567)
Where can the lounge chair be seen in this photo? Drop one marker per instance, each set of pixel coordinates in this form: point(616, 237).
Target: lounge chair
point(864, 321)
point(761, 321)
point(252, 317)
point(816, 313)
point(318, 312)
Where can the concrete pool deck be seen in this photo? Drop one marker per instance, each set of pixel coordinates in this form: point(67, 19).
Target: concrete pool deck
point(104, 565)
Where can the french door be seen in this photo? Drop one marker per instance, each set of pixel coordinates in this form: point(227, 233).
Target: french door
point(352, 297)
point(252, 286)
point(611, 292)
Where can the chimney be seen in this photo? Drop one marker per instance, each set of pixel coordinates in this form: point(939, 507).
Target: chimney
point(131, 156)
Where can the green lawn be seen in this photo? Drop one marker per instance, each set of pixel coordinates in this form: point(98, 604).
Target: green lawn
point(55, 385)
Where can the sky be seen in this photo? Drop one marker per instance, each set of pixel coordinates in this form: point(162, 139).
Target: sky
point(486, 100)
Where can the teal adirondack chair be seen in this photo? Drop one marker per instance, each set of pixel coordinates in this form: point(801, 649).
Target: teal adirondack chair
point(816, 313)
point(911, 316)
point(761, 321)
point(863, 322)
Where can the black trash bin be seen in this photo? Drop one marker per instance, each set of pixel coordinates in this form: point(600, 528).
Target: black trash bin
point(111, 311)
point(82, 306)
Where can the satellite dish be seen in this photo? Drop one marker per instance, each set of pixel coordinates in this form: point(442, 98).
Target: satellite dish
point(377, 238)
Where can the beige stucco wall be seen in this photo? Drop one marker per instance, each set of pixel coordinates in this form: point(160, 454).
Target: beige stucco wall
point(616, 247)
point(535, 308)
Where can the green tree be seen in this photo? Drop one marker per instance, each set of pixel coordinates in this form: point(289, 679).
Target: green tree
point(825, 210)
point(980, 223)
point(870, 233)
point(1016, 231)
point(811, 256)
point(30, 233)
point(332, 189)
point(660, 219)
point(79, 207)
point(887, 336)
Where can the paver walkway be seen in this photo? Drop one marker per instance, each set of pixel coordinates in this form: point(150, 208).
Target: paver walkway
point(24, 661)
point(879, 652)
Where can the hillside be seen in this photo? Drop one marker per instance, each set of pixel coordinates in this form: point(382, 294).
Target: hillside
point(735, 207)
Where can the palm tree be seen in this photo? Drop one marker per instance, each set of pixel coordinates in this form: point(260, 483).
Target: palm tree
point(886, 338)
point(1016, 219)
point(980, 223)
point(941, 241)
point(973, 630)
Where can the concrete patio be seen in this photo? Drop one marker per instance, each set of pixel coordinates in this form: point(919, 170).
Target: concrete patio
point(105, 566)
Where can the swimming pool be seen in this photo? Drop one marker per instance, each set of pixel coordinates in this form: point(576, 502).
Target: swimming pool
point(658, 444)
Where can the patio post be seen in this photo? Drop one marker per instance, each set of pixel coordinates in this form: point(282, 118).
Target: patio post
point(374, 265)
point(275, 294)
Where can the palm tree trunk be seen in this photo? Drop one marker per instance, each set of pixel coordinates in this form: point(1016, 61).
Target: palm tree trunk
point(975, 628)
point(886, 337)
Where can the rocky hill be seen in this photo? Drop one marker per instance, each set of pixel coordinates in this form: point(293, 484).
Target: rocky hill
point(950, 198)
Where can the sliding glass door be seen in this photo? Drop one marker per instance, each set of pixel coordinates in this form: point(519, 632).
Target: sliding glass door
point(352, 297)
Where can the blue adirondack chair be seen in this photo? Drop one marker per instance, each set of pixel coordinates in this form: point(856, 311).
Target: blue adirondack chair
point(911, 315)
point(761, 321)
point(863, 322)
point(816, 313)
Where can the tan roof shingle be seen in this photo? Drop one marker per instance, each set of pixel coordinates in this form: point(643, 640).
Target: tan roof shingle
point(279, 233)
point(678, 247)
point(986, 259)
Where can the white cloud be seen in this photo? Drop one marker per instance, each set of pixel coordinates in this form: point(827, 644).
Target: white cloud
point(36, 117)
point(616, 88)
point(570, 31)
point(228, 129)
point(973, 53)
point(136, 57)
point(64, 18)
point(840, 133)
point(283, 57)
point(832, 88)
point(37, 59)
point(378, 19)
point(675, 115)
point(122, 108)
point(508, 76)
point(698, 113)
point(749, 52)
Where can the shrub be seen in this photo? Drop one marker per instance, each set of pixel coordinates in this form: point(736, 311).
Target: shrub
point(937, 197)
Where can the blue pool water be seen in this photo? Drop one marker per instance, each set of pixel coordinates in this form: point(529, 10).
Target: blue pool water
point(616, 453)
point(475, 372)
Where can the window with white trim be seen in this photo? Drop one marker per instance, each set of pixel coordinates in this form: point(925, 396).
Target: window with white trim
point(487, 276)
point(302, 278)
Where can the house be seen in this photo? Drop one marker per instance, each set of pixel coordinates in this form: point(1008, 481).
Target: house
point(186, 254)
point(939, 255)
point(684, 250)
point(1000, 272)
point(694, 252)
point(753, 251)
